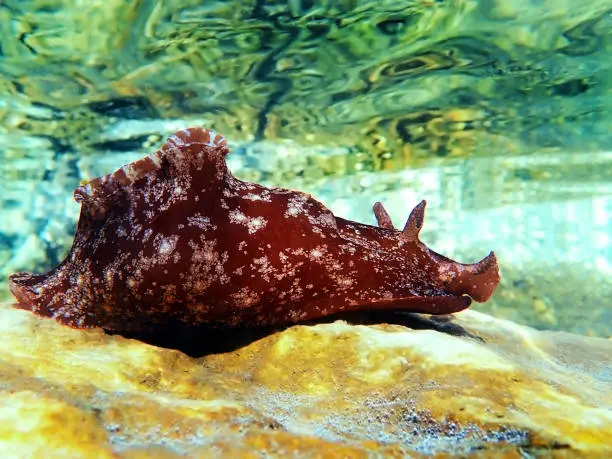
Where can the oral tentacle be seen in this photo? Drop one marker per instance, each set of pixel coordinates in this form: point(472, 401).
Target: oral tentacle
point(478, 280)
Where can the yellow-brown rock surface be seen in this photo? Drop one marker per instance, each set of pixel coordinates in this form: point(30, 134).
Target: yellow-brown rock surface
point(470, 385)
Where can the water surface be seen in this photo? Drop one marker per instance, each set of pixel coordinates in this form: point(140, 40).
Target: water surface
point(495, 111)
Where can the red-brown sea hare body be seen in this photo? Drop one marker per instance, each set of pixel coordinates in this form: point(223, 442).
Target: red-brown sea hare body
point(175, 236)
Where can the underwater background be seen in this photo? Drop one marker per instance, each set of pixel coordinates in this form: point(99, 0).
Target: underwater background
point(497, 112)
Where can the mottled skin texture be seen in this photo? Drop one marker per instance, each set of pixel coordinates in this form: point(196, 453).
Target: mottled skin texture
point(176, 236)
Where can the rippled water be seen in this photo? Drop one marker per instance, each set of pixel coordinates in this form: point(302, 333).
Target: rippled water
point(495, 111)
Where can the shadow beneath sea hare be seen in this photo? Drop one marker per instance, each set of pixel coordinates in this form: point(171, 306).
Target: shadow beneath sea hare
point(199, 341)
point(412, 320)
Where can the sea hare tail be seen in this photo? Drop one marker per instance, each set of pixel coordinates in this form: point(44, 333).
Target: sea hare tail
point(50, 295)
point(33, 293)
point(23, 288)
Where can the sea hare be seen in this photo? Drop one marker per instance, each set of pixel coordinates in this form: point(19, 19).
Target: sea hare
point(176, 237)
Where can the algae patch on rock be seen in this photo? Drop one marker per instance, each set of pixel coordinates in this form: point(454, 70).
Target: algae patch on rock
point(469, 384)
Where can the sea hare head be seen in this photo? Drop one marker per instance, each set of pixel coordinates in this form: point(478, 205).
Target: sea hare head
point(447, 286)
point(478, 280)
point(174, 236)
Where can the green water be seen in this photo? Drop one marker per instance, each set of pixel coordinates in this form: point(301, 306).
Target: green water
point(495, 111)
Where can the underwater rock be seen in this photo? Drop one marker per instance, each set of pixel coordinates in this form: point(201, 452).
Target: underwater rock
point(466, 384)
